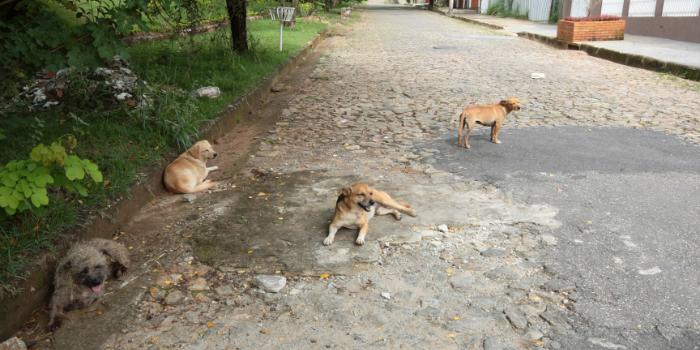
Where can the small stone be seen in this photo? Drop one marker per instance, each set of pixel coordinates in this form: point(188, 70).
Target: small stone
point(430, 302)
point(548, 239)
point(207, 91)
point(537, 75)
point(13, 343)
point(533, 334)
point(270, 283)
point(652, 271)
point(175, 297)
point(493, 252)
point(443, 228)
point(462, 280)
point(189, 198)
point(352, 147)
point(386, 295)
point(198, 284)
point(224, 290)
point(516, 317)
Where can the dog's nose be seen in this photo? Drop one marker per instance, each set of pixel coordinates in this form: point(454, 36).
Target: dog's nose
point(93, 281)
point(371, 202)
point(216, 154)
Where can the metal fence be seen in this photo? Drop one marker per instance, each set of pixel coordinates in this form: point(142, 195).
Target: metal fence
point(579, 8)
point(642, 8)
point(681, 8)
point(612, 7)
point(538, 10)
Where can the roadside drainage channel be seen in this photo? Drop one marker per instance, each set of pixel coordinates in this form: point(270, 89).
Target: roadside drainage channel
point(16, 310)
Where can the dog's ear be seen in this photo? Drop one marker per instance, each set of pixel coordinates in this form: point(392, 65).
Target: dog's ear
point(195, 151)
point(66, 266)
point(346, 191)
point(504, 103)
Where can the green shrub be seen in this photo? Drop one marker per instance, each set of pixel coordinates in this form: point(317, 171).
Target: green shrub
point(24, 183)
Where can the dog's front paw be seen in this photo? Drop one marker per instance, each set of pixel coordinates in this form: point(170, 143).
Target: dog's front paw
point(467, 146)
point(360, 241)
point(412, 213)
point(397, 216)
point(496, 141)
point(328, 241)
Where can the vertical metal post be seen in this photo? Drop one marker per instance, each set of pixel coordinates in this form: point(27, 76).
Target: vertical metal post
point(281, 27)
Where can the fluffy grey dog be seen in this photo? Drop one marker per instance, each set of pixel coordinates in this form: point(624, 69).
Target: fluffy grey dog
point(81, 274)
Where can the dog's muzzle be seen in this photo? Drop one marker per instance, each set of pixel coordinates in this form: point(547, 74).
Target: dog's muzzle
point(367, 207)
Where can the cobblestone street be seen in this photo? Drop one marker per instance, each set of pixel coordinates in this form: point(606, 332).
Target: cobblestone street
point(578, 232)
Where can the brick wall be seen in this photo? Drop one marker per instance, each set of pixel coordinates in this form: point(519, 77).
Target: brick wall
point(590, 31)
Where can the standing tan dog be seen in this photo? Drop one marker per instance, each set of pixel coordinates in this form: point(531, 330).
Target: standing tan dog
point(357, 204)
point(81, 274)
point(188, 172)
point(489, 115)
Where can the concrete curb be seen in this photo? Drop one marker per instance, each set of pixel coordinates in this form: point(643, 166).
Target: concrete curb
point(15, 311)
point(632, 60)
point(468, 20)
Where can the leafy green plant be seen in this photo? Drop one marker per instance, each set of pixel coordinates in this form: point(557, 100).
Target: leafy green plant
point(24, 183)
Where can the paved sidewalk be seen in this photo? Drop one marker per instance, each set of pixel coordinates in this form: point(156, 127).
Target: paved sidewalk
point(666, 50)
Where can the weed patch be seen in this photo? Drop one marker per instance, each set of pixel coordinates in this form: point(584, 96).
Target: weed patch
point(122, 140)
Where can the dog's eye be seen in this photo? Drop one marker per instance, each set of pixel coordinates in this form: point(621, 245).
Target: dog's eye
point(370, 193)
point(84, 271)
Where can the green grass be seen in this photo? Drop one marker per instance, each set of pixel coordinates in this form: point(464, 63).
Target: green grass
point(123, 141)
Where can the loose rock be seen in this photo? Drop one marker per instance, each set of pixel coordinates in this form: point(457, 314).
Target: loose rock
point(207, 91)
point(175, 297)
point(13, 343)
point(270, 283)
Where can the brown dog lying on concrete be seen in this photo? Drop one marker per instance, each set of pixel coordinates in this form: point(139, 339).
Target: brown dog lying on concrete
point(81, 274)
point(188, 172)
point(357, 204)
point(489, 115)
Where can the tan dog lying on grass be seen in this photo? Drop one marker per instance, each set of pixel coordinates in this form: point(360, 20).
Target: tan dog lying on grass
point(188, 172)
point(357, 204)
point(81, 274)
point(489, 115)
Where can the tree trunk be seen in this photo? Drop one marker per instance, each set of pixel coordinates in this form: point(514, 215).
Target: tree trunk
point(237, 17)
point(450, 5)
point(328, 4)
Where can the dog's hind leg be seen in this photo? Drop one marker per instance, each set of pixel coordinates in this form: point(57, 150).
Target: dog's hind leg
point(206, 185)
point(384, 211)
point(460, 128)
point(384, 199)
point(471, 126)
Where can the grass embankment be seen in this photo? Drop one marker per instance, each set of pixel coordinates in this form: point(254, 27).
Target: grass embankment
point(123, 140)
